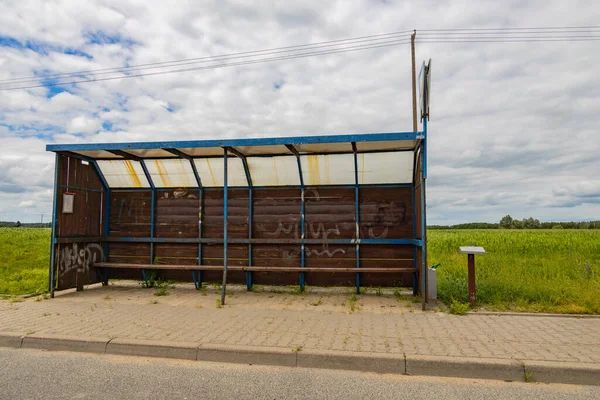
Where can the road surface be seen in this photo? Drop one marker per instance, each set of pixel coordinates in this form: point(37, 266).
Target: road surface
point(35, 374)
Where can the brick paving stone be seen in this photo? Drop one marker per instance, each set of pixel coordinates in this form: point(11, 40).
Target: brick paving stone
point(380, 324)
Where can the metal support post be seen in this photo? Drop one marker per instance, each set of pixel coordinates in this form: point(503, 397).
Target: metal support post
point(200, 217)
point(357, 215)
point(152, 209)
point(224, 226)
point(54, 217)
point(472, 287)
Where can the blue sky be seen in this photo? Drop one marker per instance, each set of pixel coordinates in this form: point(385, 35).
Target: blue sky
point(514, 127)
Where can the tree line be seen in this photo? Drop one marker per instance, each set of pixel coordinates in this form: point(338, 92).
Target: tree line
point(19, 224)
point(508, 222)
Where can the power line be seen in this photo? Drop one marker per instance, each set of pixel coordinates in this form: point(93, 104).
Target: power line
point(210, 58)
point(458, 35)
point(293, 56)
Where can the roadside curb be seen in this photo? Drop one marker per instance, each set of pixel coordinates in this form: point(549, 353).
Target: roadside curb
point(529, 314)
point(459, 367)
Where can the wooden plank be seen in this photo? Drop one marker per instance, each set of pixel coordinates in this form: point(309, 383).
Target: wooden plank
point(246, 268)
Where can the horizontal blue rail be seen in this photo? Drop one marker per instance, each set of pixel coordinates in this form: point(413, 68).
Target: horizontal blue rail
point(414, 242)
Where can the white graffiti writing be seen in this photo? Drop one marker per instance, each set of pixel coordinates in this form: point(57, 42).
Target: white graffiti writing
point(79, 257)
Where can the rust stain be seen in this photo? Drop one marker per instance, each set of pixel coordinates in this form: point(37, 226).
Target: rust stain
point(132, 174)
point(162, 173)
point(212, 175)
point(313, 169)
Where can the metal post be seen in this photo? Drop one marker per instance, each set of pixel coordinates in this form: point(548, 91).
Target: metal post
point(423, 247)
point(200, 216)
point(424, 211)
point(302, 214)
point(472, 288)
point(53, 235)
point(414, 231)
point(105, 218)
point(357, 216)
point(250, 209)
point(224, 226)
point(152, 209)
point(414, 80)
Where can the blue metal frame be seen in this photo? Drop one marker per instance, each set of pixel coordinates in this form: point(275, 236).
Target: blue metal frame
point(152, 213)
point(292, 149)
point(423, 248)
point(414, 226)
point(362, 137)
point(224, 226)
point(54, 216)
point(250, 209)
point(357, 215)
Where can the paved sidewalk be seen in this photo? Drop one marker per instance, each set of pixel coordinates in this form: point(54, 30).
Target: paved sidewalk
point(321, 320)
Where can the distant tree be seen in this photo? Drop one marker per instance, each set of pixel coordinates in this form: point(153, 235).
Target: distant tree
point(558, 226)
point(18, 224)
point(506, 222)
point(517, 224)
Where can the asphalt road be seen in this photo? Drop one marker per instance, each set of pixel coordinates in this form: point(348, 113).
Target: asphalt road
point(35, 374)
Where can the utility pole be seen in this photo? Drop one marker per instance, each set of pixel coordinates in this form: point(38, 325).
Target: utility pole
point(414, 80)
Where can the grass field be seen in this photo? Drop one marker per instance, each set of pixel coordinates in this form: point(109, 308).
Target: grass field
point(524, 270)
point(24, 259)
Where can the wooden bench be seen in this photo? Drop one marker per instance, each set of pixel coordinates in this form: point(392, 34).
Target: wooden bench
point(199, 268)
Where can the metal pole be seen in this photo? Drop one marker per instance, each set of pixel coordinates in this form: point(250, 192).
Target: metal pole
point(423, 247)
point(472, 288)
point(152, 208)
point(224, 226)
point(424, 191)
point(53, 235)
point(414, 80)
point(250, 209)
point(357, 216)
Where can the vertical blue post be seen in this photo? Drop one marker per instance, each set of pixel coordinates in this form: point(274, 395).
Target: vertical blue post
point(224, 226)
point(424, 204)
point(53, 235)
point(106, 219)
point(152, 209)
point(423, 227)
point(250, 210)
point(200, 217)
point(414, 234)
point(357, 216)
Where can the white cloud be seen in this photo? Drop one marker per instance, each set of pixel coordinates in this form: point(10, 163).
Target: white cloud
point(513, 129)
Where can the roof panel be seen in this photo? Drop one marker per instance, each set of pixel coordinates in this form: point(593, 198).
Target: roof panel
point(171, 173)
point(123, 174)
point(386, 145)
point(150, 153)
point(274, 171)
point(332, 169)
point(256, 150)
point(324, 147)
point(392, 167)
point(211, 171)
point(98, 154)
point(202, 151)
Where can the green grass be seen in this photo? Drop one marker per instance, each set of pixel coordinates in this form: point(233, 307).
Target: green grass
point(523, 270)
point(24, 260)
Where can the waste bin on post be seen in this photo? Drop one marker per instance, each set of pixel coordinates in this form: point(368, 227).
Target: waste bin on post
point(471, 251)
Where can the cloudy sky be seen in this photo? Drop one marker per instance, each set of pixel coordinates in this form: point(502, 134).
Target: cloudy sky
point(514, 126)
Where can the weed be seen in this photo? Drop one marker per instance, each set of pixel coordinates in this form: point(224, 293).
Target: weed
point(346, 339)
point(458, 308)
point(527, 374)
point(15, 300)
point(153, 301)
point(107, 297)
point(298, 349)
point(218, 303)
point(297, 290)
point(202, 290)
point(352, 301)
point(257, 288)
point(317, 303)
point(161, 291)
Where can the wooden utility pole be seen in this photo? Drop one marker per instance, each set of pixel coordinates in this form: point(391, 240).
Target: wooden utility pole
point(414, 80)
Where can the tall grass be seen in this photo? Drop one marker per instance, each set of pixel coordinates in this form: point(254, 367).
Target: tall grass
point(523, 270)
point(24, 258)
